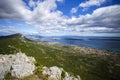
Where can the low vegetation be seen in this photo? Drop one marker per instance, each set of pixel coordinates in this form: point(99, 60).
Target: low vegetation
point(89, 66)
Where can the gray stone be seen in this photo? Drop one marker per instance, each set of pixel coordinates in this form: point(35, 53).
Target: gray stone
point(19, 65)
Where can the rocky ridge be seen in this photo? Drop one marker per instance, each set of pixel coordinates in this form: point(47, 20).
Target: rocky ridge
point(19, 65)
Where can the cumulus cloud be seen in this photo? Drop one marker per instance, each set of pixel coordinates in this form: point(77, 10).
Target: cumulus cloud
point(44, 12)
point(47, 19)
point(103, 19)
point(10, 11)
point(32, 4)
point(19, 10)
point(88, 4)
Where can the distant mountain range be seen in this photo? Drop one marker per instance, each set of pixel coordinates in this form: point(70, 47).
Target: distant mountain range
point(74, 37)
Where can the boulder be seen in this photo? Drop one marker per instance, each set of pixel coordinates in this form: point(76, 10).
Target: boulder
point(55, 73)
point(19, 65)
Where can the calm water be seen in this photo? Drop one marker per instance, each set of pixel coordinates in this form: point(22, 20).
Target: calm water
point(105, 43)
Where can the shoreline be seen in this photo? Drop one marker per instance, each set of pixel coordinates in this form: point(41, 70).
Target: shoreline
point(86, 50)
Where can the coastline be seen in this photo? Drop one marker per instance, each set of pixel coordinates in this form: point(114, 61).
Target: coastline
point(86, 50)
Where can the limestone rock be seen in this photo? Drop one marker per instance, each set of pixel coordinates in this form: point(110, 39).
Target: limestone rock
point(19, 65)
point(54, 73)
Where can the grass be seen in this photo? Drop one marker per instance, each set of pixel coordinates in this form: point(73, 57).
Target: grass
point(87, 66)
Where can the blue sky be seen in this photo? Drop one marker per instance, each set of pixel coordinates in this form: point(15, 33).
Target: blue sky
point(60, 17)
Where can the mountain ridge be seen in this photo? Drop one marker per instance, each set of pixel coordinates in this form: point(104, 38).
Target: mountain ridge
point(17, 35)
point(75, 60)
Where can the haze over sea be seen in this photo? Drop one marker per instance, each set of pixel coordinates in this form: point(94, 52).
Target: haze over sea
point(104, 43)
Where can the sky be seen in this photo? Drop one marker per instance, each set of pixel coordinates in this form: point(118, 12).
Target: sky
point(60, 17)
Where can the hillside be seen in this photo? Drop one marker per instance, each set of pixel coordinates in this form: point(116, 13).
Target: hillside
point(89, 64)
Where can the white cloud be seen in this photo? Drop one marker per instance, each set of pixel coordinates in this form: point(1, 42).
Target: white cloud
point(88, 4)
point(10, 11)
point(104, 19)
point(60, 0)
point(74, 10)
point(32, 4)
point(47, 19)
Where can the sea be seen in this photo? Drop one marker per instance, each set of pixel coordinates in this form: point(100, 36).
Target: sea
point(102, 43)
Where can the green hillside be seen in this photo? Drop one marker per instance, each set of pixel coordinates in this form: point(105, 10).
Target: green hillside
point(89, 66)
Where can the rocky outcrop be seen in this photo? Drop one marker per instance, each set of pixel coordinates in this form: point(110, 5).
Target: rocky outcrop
point(19, 65)
point(55, 73)
point(68, 77)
